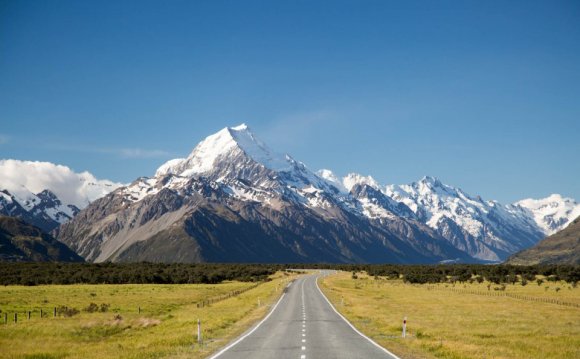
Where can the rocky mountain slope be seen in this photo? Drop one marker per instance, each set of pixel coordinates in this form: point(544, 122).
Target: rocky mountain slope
point(234, 200)
point(22, 242)
point(560, 248)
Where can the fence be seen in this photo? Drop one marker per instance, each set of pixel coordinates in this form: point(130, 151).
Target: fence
point(219, 298)
point(496, 293)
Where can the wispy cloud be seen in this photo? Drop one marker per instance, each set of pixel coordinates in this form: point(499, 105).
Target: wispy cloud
point(299, 128)
point(120, 152)
point(4, 139)
point(140, 153)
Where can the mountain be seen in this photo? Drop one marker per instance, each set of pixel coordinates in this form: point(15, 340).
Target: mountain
point(46, 195)
point(22, 242)
point(551, 214)
point(235, 200)
point(562, 247)
point(43, 210)
point(486, 230)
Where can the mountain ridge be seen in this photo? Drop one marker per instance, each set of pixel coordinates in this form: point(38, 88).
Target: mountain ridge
point(233, 177)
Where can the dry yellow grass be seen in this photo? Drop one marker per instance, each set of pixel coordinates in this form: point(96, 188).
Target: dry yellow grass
point(165, 328)
point(451, 323)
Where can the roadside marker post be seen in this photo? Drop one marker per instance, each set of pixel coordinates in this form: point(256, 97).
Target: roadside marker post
point(199, 331)
point(405, 327)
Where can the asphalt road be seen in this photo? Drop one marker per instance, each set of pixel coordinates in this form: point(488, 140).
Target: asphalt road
point(303, 325)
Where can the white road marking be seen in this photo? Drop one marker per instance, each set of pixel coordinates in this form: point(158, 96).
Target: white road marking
point(352, 326)
point(303, 340)
point(303, 356)
point(303, 348)
point(251, 331)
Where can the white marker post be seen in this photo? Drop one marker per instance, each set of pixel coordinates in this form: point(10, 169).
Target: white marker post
point(405, 327)
point(199, 331)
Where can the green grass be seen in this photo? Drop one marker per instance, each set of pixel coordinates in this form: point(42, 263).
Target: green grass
point(450, 322)
point(165, 327)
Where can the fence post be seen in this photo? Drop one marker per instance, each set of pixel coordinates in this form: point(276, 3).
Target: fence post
point(139, 310)
point(15, 317)
point(405, 327)
point(40, 313)
point(29, 315)
point(55, 312)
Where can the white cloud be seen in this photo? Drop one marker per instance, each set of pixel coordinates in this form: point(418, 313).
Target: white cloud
point(19, 177)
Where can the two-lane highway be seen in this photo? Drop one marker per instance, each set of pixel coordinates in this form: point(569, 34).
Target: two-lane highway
point(303, 324)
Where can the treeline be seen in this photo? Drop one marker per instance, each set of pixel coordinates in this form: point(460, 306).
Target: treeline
point(130, 273)
point(178, 273)
point(444, 273)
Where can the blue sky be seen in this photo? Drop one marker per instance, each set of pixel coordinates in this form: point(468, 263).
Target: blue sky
point(484, 95)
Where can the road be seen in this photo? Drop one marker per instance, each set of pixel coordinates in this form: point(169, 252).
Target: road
point(303, 325)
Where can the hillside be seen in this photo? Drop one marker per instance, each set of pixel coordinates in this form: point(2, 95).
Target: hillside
point(22, 242)
point(560, 248)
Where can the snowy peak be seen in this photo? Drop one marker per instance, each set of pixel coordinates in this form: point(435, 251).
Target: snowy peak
point(258, 151)
point(226, 145)
point(332, 179)
point(353, 179)
point(552, 213)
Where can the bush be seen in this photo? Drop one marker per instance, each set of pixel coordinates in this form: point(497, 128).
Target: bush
point(66, 311)
point(93, 307)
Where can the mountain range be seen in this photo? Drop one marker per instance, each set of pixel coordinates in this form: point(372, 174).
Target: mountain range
point(233, 199)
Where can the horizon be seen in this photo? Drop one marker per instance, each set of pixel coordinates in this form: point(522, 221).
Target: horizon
point(483, 96)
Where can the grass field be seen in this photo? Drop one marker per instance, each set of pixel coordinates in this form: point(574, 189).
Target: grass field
point(166, 326)
point(461, 321)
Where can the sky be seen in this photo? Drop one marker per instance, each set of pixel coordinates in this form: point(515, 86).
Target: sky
point(484, 95)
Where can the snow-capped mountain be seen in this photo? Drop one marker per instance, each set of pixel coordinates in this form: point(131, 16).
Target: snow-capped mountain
point(486, 230)
point(234, 199)
point(46, 195)
point(43, 209)
point(551, 214)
